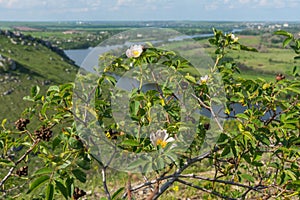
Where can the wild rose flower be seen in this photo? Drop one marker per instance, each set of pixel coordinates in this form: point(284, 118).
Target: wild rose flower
point(161, 138)
point(204, 79)
point(134, 51)
point(234, 38)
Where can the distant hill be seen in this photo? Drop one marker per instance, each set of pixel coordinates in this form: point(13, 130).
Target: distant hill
point(26, 61)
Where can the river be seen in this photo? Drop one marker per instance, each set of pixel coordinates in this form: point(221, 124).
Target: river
point(79, 56)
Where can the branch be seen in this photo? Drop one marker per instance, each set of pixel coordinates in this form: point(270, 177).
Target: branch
point(204, 190)
point(11, 170)
point(175, 175)
point(255, 188)
point(211, 110)
point(104, 183)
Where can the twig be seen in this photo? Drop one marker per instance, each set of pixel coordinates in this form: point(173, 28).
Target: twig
point(281, 112)
point(129, 186)
point(11, 170)
point(175, 175)
point(204, 190)
point(210, 109)
point(104, 183)
point(255, 188)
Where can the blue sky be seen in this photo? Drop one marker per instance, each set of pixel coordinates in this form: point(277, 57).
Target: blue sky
point(220, 10)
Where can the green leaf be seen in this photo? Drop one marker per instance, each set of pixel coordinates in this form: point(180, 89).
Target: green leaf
point(284, 33)
point(70, 184)
point(190, 78)
point(34, 91)
point(6, 163)
point(137, 163)
point(287, 41)
point(37, 183)
point(3, 123)
point(293, 89)
point(50, 192)
point(41, 171)
point(257, 164)
point(134, 107)
point(84, 164)
point(80, 175)
point(118, 192)
point(291, 174)
point(248, 177)
point(160, 163)
point(132, 143)
point(62, 189)
point(242, 115)
point(53, 88)
point(226, 151)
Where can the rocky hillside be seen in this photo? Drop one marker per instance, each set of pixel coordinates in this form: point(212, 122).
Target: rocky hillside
point(26, 61)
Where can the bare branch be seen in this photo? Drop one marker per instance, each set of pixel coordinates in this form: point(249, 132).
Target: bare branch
point(205, 190)
point(255, 188)
point(175, 175)
point(11, 170)
point(104, 183)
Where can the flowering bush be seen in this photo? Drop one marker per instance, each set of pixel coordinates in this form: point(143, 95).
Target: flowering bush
point(255, 156)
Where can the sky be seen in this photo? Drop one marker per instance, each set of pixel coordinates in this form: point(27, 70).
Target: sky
point(144, 10)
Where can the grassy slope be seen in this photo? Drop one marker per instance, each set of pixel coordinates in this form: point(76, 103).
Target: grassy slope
point(35, 64)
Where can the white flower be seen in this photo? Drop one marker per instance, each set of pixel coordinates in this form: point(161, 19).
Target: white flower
point(204, 79)
point(235, 39)
point(161, 138)
point(134, 51)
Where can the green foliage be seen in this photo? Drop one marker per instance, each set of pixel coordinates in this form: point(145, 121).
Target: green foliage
point(256, 155)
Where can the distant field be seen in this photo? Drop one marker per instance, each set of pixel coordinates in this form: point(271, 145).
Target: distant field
point(270, 60)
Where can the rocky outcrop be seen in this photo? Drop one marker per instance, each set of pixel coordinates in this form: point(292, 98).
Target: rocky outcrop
point(7, 64)
point(17, 37)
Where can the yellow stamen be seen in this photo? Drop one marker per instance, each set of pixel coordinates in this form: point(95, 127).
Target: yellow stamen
point(136, 53)
point(162, 143)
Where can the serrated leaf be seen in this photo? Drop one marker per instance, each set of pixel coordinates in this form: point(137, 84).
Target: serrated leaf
point(80, 175)
point(41, 171)
point(50, 192)
point(37, 183)
point(63, 190)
